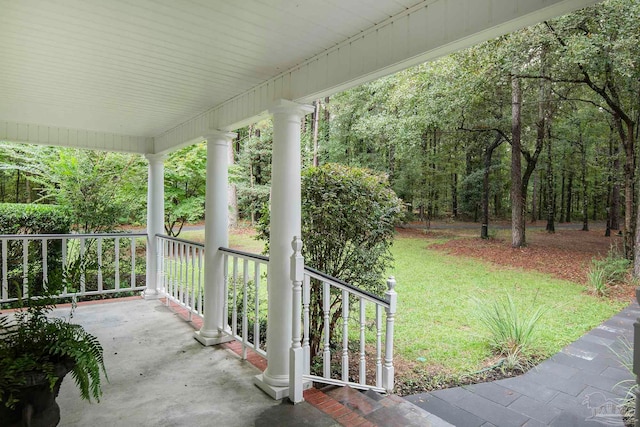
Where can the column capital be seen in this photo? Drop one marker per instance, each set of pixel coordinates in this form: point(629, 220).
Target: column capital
point(155, 157)
point(284, 106)
point(216, 136)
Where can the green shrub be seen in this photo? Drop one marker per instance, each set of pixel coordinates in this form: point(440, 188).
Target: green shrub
point(348, 220)
point(17, 218)
point(511, 330)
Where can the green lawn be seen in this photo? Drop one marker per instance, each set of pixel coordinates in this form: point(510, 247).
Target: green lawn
point(436, 313)
point(240, 239)
point(436, 318)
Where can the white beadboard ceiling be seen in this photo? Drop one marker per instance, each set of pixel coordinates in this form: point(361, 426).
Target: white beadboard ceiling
point(150, 75)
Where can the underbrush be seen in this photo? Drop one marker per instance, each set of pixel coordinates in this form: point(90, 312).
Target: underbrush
point(608, 271)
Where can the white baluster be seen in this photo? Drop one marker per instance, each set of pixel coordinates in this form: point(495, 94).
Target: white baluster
point(245, 311)
point(345, 336)
point(180, 262)
point(64, 261)
point(378, 346)
point(388, 370)
point(225, 311)
point(306, 300)
point(5, 280)
point(363, 362)
point(45, 267)
point(25, 268)
point(326, 355)
point(256, 322)
point(296, 354)
point(83, 277)
point(99, 248)
point(200, 285)
point(234, 307)
point(159, 263)
point(133, 262)
point(116, 257)
point(192, 288)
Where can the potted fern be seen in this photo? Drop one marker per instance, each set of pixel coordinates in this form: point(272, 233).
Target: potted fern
point(37, 351)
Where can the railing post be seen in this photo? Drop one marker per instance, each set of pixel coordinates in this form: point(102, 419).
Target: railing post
point(636, 361)
point(296, 353)
point(387, 369)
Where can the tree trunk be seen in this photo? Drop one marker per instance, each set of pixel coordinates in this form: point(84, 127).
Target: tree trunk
point(551, 206)
point(18, 186)
point(314, 130)
point(615, 193)
point(327, 119)
point(232, 195)
point(585, 197)
point(534, 198)
point(567, 217)
point(27, 184)
point(517, 209)
point(488, 154)
point(454, 195)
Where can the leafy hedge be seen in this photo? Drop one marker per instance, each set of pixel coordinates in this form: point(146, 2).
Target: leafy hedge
point(16, 218)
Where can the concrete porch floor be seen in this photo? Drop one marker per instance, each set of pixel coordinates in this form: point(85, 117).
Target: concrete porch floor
point(159, 375)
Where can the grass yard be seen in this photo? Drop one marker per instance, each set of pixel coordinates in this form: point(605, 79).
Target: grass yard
point(437, 330)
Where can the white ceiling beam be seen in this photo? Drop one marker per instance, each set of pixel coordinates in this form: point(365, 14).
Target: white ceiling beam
point(76, 138)
point(424, 32)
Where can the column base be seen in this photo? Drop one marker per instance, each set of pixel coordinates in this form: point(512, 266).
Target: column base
point(209, 341)
point(275, 392)
point(151, 294)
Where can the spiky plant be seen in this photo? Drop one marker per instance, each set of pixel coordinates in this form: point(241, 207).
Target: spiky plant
point(511, 330)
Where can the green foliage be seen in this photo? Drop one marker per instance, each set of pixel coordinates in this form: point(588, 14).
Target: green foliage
point(603, 272)
point(253, 180)
point(624, 355)
point(99, 190)
point(596, 279)
point(34, 344)
point(32, 218)
point(348, 219)
point(511, 329)
point(185, 187)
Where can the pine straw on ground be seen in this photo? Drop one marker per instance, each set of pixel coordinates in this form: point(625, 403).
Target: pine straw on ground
point(565, 254)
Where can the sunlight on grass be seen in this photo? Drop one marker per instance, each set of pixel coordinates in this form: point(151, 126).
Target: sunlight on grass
point(437, 318)
point(240, 238)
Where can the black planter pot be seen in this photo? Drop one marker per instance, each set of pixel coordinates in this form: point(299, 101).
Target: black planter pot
point(37, 405)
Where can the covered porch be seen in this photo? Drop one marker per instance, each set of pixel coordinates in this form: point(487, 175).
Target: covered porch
point(149, 78)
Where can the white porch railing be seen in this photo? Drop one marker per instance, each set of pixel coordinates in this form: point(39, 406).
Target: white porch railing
point(181, 276)
point(246, 303)
point(337, 299)
point(181, 273)
point(107, 263)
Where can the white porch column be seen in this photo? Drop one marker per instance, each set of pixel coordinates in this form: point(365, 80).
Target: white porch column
point(155, 219)
point(216, 234)
point(285, 224)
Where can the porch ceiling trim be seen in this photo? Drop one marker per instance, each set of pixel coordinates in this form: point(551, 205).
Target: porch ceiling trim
point(424, 32)
point(30, 133)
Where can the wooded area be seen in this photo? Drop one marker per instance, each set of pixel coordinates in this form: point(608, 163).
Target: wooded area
point(541, 124)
